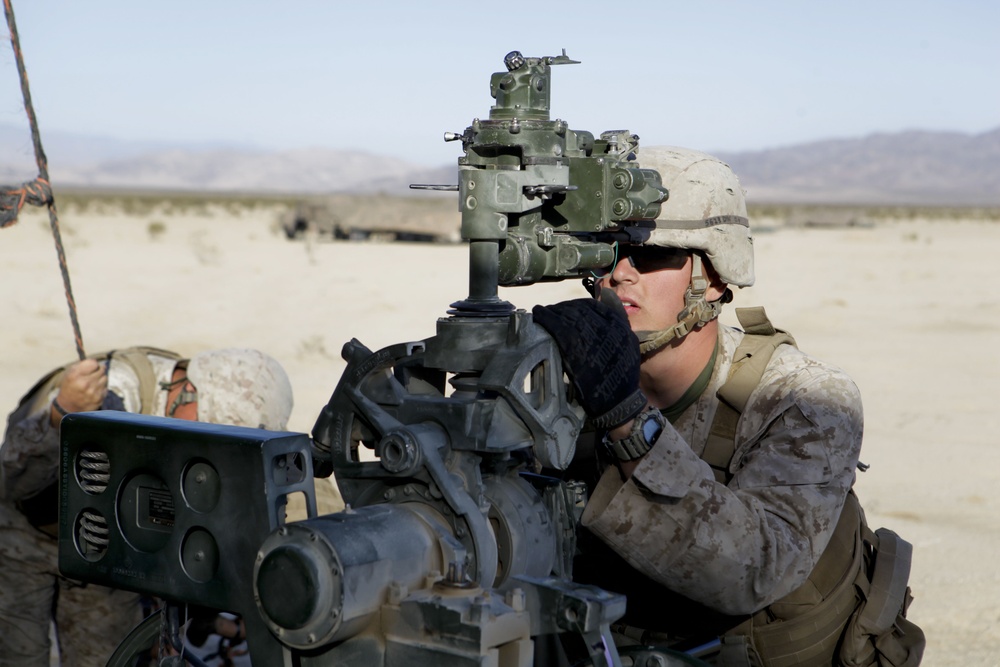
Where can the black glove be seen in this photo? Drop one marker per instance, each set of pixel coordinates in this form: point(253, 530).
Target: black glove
point(601, 356)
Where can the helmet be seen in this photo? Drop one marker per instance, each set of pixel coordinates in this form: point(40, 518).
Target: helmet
point(241, 387)
point(705, 211)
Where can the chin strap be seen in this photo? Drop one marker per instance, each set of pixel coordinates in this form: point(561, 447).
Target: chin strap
point(697, 312)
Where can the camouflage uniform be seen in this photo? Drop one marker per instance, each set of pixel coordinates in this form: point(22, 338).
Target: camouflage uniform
point(718, 550)
point(91, 620)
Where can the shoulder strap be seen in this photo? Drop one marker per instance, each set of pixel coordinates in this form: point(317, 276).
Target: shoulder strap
point(749, 362)
point(135, 357)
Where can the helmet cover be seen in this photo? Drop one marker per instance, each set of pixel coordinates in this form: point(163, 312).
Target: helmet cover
point(241, 387)
point(706, 211)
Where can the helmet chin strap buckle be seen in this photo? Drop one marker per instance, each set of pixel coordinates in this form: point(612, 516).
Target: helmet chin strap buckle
point(697, 307)
point(697, 312)
point(698, 285)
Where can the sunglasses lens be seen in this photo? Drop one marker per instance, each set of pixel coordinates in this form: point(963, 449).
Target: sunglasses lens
point(645, 259)
point(652, 258)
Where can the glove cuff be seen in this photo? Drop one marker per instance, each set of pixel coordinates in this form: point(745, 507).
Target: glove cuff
point(622, 412)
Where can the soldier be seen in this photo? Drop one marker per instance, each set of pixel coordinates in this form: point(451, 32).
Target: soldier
point(721, 491)
point(242, 387)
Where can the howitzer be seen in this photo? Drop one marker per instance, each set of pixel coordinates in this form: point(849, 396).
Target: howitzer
point(452, 550)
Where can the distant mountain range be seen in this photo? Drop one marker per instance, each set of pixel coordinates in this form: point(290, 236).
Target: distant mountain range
point(912, 167)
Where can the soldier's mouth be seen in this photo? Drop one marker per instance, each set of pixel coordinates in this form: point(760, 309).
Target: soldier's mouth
point(630, 305)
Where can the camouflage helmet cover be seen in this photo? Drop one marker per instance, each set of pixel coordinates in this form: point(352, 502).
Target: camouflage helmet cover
point(706, 210)
point(241, 387)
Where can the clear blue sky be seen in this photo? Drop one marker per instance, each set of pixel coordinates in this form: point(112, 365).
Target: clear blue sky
point(392, 77)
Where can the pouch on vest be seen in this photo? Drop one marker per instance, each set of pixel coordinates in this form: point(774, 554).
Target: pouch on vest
point(878, 632)
point(789, 633)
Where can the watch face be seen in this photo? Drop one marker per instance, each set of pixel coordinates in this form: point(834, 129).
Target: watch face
point(650, 430)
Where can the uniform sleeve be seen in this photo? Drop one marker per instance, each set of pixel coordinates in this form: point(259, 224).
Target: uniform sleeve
point(737, 548)
point(29, 456)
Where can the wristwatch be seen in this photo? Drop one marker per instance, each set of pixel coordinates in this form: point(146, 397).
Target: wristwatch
point(646, 428)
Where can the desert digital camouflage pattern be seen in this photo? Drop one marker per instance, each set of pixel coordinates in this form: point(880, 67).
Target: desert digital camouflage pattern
point(738, 547)
point(706, 210)
point(90, 618)
point(241, 387)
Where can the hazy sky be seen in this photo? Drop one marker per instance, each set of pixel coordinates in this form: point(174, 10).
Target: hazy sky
point(392, 77)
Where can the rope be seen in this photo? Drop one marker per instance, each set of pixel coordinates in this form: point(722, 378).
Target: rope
point(37, 192)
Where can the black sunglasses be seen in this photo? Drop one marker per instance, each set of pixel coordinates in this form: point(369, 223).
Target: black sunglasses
point(645, 258)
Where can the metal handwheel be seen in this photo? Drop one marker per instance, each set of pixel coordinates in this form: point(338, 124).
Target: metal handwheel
point(141, 638)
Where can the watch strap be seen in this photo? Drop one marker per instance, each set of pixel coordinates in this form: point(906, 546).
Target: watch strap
point(635, 444)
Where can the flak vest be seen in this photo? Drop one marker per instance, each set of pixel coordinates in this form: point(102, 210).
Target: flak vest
point(851, 610)
point(861, 577)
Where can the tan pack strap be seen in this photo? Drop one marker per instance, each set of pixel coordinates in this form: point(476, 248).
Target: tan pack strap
point(721, 443)
point(135, 357)
point(139, 363)
point(752, 356)
point(138, 360)
point(749, 362)
point(755, 322)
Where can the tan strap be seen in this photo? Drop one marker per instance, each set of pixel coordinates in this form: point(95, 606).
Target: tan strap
point(137, 359)
point(754, 321)
point(752, 356)
point(750, 361)
point(721, 443)
point(139, 363)
point(691, 317)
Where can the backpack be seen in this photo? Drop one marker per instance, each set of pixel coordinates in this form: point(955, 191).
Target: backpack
point(862, 575)
point(41, 509)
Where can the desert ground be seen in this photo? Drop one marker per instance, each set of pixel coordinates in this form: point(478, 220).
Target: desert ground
point(903, 303)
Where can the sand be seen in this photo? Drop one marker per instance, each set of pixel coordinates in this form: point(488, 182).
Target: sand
point(904, 306)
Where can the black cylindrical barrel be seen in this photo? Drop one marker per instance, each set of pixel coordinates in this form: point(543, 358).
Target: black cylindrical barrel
point(321, 580)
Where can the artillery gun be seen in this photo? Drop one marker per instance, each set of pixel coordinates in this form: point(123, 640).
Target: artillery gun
point(452, 550)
